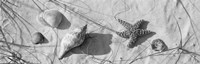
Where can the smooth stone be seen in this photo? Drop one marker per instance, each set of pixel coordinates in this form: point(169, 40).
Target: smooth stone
point(38, 38)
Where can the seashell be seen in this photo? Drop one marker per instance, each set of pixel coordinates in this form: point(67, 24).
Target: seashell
point(51, 18)
point(72, 40)
point(159, 45)
point(38, 38)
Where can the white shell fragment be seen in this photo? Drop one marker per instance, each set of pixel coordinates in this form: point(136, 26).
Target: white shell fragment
point(38, 38)
point(71, 40)
point(159, 45)
point(51, 18)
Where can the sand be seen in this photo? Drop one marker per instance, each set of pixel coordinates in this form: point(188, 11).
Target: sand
point(173, 21)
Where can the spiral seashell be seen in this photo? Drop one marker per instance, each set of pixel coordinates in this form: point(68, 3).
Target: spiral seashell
point(72, 40)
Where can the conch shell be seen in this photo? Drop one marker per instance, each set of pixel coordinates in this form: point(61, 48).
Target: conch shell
point(71, 40)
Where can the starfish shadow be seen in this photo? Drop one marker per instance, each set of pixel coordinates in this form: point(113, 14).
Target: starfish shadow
point(64, 24)
point(98, 44)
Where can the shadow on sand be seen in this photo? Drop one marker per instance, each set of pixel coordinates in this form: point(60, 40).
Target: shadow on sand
point(64, 24)
point(142, 39)
point(98, 44)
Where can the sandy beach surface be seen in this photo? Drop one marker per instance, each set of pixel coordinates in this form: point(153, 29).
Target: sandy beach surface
point(176, 22)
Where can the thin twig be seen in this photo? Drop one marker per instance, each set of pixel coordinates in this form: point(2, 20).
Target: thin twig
point(13, 20)
point(41, 10)
point(191, 21)
point(138, 54)
point(180, 45)
point(82, 16)
point(18, 45)
point(4, 37)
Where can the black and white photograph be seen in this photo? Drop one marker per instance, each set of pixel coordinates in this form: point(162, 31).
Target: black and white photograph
point(99, 31)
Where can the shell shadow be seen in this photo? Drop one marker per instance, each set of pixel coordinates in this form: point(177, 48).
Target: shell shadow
point(142, 39)
point(45, 41)
point(64, 24)
point(97, 44)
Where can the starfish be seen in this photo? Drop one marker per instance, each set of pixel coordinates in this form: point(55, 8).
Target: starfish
point(132, 32)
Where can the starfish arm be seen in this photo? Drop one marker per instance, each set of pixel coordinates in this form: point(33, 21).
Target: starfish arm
point(137, 24)
point(124, 34)
point(133, 39)
point(141, 32)
point(127, 25)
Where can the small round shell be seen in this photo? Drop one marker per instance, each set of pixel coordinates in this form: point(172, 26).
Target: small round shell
point(159, 45)
point(38, 38)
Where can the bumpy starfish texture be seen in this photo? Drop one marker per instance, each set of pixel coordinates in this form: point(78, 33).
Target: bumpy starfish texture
point(132, 32)
point(72, 40)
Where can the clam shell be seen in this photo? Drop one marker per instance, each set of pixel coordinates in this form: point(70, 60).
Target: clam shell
point(51, 18)
point(38, 38)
